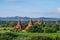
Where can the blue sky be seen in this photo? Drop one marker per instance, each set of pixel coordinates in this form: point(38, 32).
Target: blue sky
point(30, 8)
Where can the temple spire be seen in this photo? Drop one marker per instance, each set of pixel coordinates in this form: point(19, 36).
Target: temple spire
point(18, 26)
point(29, 24)
point(39, 20)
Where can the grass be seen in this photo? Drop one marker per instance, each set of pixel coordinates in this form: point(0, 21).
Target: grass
point(24, 36)
point(52, 35)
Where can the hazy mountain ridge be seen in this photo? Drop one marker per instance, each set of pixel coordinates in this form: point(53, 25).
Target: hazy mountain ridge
point(16, 18)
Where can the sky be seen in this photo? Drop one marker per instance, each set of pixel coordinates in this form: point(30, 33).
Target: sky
point(30, 8)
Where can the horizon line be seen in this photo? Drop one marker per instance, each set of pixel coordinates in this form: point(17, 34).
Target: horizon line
point(28, 17)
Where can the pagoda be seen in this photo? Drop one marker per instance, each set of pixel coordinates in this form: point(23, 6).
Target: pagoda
point(40, 20)
point(29, 24)
point(18, 26)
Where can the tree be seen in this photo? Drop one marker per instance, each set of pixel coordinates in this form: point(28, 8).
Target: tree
point(36, 28)
point(12, 24)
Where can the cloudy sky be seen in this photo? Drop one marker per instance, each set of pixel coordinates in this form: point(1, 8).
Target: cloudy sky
point(30, 8)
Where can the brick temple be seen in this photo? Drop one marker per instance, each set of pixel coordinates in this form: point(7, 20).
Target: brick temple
point(18, 26)
point(29, 24)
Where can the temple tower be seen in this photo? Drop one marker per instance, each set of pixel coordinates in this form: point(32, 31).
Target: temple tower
point(29, 24)
point(18, 26)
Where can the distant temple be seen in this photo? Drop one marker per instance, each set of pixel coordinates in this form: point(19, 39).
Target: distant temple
point(40, 21)
point(18, 26)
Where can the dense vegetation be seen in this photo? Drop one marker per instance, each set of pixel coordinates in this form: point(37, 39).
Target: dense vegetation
point(28, 36)
point(48, 27)
point(51, 29)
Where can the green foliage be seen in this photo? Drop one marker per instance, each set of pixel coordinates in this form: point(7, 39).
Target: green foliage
point(25, 24)
point(28, 36)
point(12, 24)
point(50, 30)
point(4, 25)
point(49, 27)
point(7, 36)
point(36, 28)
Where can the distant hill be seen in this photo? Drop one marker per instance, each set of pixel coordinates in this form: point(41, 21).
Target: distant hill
point(16, 18)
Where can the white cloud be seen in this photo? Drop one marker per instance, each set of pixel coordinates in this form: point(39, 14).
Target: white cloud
point(58, 10)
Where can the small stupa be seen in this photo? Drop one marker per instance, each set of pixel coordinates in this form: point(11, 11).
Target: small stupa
point(40, 20)
point(44, 22)
point(56, 22)
point(18, 26)
point(29, 24)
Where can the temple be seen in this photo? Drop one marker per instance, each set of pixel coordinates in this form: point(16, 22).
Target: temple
point(18, 26)
point(40, 20)
point(29, 24)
